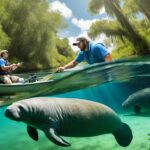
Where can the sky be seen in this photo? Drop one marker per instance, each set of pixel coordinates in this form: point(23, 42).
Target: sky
point(77, 18)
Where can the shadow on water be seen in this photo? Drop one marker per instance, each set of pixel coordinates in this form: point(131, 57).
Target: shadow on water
point(142, 114)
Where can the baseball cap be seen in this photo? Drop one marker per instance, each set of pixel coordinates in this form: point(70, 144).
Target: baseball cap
point(78, 40)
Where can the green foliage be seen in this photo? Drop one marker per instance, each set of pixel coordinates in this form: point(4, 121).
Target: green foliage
point(29, 30)
point(108, 27)
point(132, 7)
point(4, 39)
point(62, 53)
point(63, 48)
point(123, 50)
point(96, 5)
point(126, 31)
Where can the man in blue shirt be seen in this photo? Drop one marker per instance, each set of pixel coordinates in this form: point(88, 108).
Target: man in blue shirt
point(89, 52)
point(6, 68)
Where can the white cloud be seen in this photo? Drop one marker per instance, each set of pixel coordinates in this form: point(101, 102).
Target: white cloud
point(71, 41)
point(100, 38)
point(62, 8)
point(102, 11)
point(84, 25)
point(104, 15)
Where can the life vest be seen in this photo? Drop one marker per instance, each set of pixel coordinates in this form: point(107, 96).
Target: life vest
point(2, 72)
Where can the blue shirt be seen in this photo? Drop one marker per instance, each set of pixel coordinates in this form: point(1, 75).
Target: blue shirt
point(2, 64)
point(94, 54)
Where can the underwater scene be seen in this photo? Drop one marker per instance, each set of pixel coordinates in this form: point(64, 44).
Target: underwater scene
point(74, 74)
point(126, 91)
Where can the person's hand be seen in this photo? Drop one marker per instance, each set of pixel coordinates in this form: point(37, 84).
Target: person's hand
point(60, 69)
point(13, 66)
point(19, 64)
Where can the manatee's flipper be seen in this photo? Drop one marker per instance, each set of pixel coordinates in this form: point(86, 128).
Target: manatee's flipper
point(55, 138)
point(123, 135)
point(137, 109)
point(32, 132)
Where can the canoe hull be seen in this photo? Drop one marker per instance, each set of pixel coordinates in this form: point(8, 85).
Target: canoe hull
point(19, 88)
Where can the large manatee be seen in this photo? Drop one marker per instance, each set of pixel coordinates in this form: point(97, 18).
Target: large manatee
point(138, 100)
point(58, 117)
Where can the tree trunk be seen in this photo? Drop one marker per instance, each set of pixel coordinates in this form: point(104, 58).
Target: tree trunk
point(139, 43)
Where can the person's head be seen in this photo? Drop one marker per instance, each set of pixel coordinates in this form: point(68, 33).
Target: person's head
point(4, 54)
point(82, 43)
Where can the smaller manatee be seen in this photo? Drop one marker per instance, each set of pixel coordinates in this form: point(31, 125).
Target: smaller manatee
point(138, 100)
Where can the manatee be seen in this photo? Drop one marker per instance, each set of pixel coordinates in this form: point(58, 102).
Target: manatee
point(68, 117)
point(138, 100)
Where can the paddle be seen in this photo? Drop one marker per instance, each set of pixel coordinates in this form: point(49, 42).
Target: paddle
point(33, 77)
point(49, 77)
point(17, 65)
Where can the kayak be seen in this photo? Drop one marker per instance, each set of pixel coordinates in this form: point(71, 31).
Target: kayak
point(35, 82)
point(32, 85)
point(122, 71)
point(17, 91)
point(6, 89)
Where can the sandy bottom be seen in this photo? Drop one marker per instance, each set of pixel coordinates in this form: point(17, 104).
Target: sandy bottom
point(13, 136)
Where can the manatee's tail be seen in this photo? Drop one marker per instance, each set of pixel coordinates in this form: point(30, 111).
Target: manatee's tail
point(123, 135)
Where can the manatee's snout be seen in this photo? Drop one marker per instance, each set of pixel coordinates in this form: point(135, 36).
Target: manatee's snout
point(125, 104)
point(12, 113)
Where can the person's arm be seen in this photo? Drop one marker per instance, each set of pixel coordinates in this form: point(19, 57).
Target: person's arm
point(70, 64)
point(15, 66)
point(6, 68)
point(108, 57)
point(102, 53)
point(67, 66)
point(77, 60)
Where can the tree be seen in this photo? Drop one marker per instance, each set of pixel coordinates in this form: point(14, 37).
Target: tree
point(112, 7)
point(4, 39)
point(63, 48)
point(111, 28)
point(32, 30)
point(135, 6)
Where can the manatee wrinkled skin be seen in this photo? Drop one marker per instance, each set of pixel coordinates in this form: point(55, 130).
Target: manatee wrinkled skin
point(58, 117)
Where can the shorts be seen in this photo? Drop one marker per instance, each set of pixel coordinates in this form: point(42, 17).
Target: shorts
point(8, 79)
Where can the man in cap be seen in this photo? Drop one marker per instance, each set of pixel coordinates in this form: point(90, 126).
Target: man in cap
point(89, 52)
point(6, 68)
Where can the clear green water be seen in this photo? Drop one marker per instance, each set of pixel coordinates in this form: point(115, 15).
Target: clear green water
point(13, 134)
